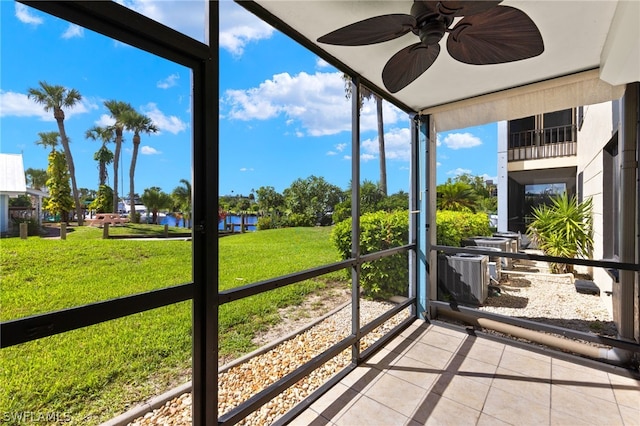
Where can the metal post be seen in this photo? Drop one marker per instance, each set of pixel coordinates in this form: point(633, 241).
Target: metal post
point(430, 211)
point(355, 217)
point(205, 232)
point(422, 250)
point(414, 210)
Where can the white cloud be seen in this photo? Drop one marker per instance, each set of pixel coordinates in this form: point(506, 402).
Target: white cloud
point(438, 164)
point(459, 171)
point(148, 150)
point(461, 140)
point(397, 144)
point(316, 101)
point(486, 177)
point(171, 124)
point(321, 63)
point(184, 16)
point(19, 105)
point(239, 28)
point(367, 157)
point(168, 82)
point(105, 120)
point(72, 31)
point(246, 169)
point(14, 104)
point(338, 148)
point(23, 13)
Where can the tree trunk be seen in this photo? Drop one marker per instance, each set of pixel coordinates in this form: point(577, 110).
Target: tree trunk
point(59, 116)
point(383, 157)
point(102, 173)
point(132, 172)
point(116, 161)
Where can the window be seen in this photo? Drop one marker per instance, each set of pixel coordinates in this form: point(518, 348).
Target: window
point(521, 132)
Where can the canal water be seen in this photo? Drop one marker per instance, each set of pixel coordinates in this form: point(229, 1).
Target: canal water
point(250, 220)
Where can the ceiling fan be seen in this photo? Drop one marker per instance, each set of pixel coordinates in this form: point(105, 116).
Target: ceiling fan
point(487, 34)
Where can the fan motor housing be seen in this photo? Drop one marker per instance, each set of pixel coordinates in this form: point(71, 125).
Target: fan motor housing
point(431, 25)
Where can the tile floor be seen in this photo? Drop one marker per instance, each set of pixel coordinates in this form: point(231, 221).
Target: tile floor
point(435, 375)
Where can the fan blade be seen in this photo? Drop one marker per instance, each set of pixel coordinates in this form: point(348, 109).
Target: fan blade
point(501, 34)
point(407, 65)
point(371, 31)
point(465, 8)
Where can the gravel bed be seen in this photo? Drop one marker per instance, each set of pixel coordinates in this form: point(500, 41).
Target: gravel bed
point(242, 381)
point(551, 299)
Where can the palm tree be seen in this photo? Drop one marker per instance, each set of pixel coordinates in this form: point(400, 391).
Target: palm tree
point(48, 139)
point(117, 110)
point(137, 123)
point(182, 197)
point(365, 93)
point(155, 200)
point(37, 178)
point(104, 156)
point(457, 196)
point(55, 98)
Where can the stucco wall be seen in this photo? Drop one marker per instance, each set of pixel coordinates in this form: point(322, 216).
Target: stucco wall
point(593, 136)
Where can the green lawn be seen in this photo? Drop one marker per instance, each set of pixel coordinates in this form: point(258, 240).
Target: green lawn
point(95, 373)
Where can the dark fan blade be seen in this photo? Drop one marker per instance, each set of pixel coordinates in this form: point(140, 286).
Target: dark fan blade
point(501, 34)
point(371, 31)
point(465, 8)
point(407, 65)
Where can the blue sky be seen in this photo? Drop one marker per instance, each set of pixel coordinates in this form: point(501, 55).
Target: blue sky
point(283, 112)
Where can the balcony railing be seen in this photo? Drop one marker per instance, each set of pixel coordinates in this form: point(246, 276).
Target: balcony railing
point(542, 143)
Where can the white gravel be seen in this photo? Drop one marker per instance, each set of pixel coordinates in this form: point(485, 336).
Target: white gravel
point(242, 381)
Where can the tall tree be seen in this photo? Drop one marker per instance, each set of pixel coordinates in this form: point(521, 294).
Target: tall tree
point(312, 197)
point(182, 197)
point(365, 93)
point(59, 201)
point(37, 178)
point(155, 200)
point(54, 97)
point(117, 110)
point(136, 123)
point(104, 156)
point(269, 199)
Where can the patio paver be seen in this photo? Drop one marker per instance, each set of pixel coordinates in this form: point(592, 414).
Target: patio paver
point(437, 375)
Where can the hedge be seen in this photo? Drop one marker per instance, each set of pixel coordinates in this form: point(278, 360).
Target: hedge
point(378, 231)
point(453, 226)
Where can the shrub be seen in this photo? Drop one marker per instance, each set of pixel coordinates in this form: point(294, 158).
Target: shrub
point(33, 228)
point(267, 222)
point(563, 229)
point(453, 226)
point(378, 231)
point(299, 219)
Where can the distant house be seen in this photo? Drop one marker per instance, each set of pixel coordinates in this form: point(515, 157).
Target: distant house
point(12, 184)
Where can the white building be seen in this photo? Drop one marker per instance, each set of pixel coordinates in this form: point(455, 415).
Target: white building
point(12, 184)
point(579, 150)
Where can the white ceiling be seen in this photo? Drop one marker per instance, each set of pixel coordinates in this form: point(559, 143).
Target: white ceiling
point(577, 35)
